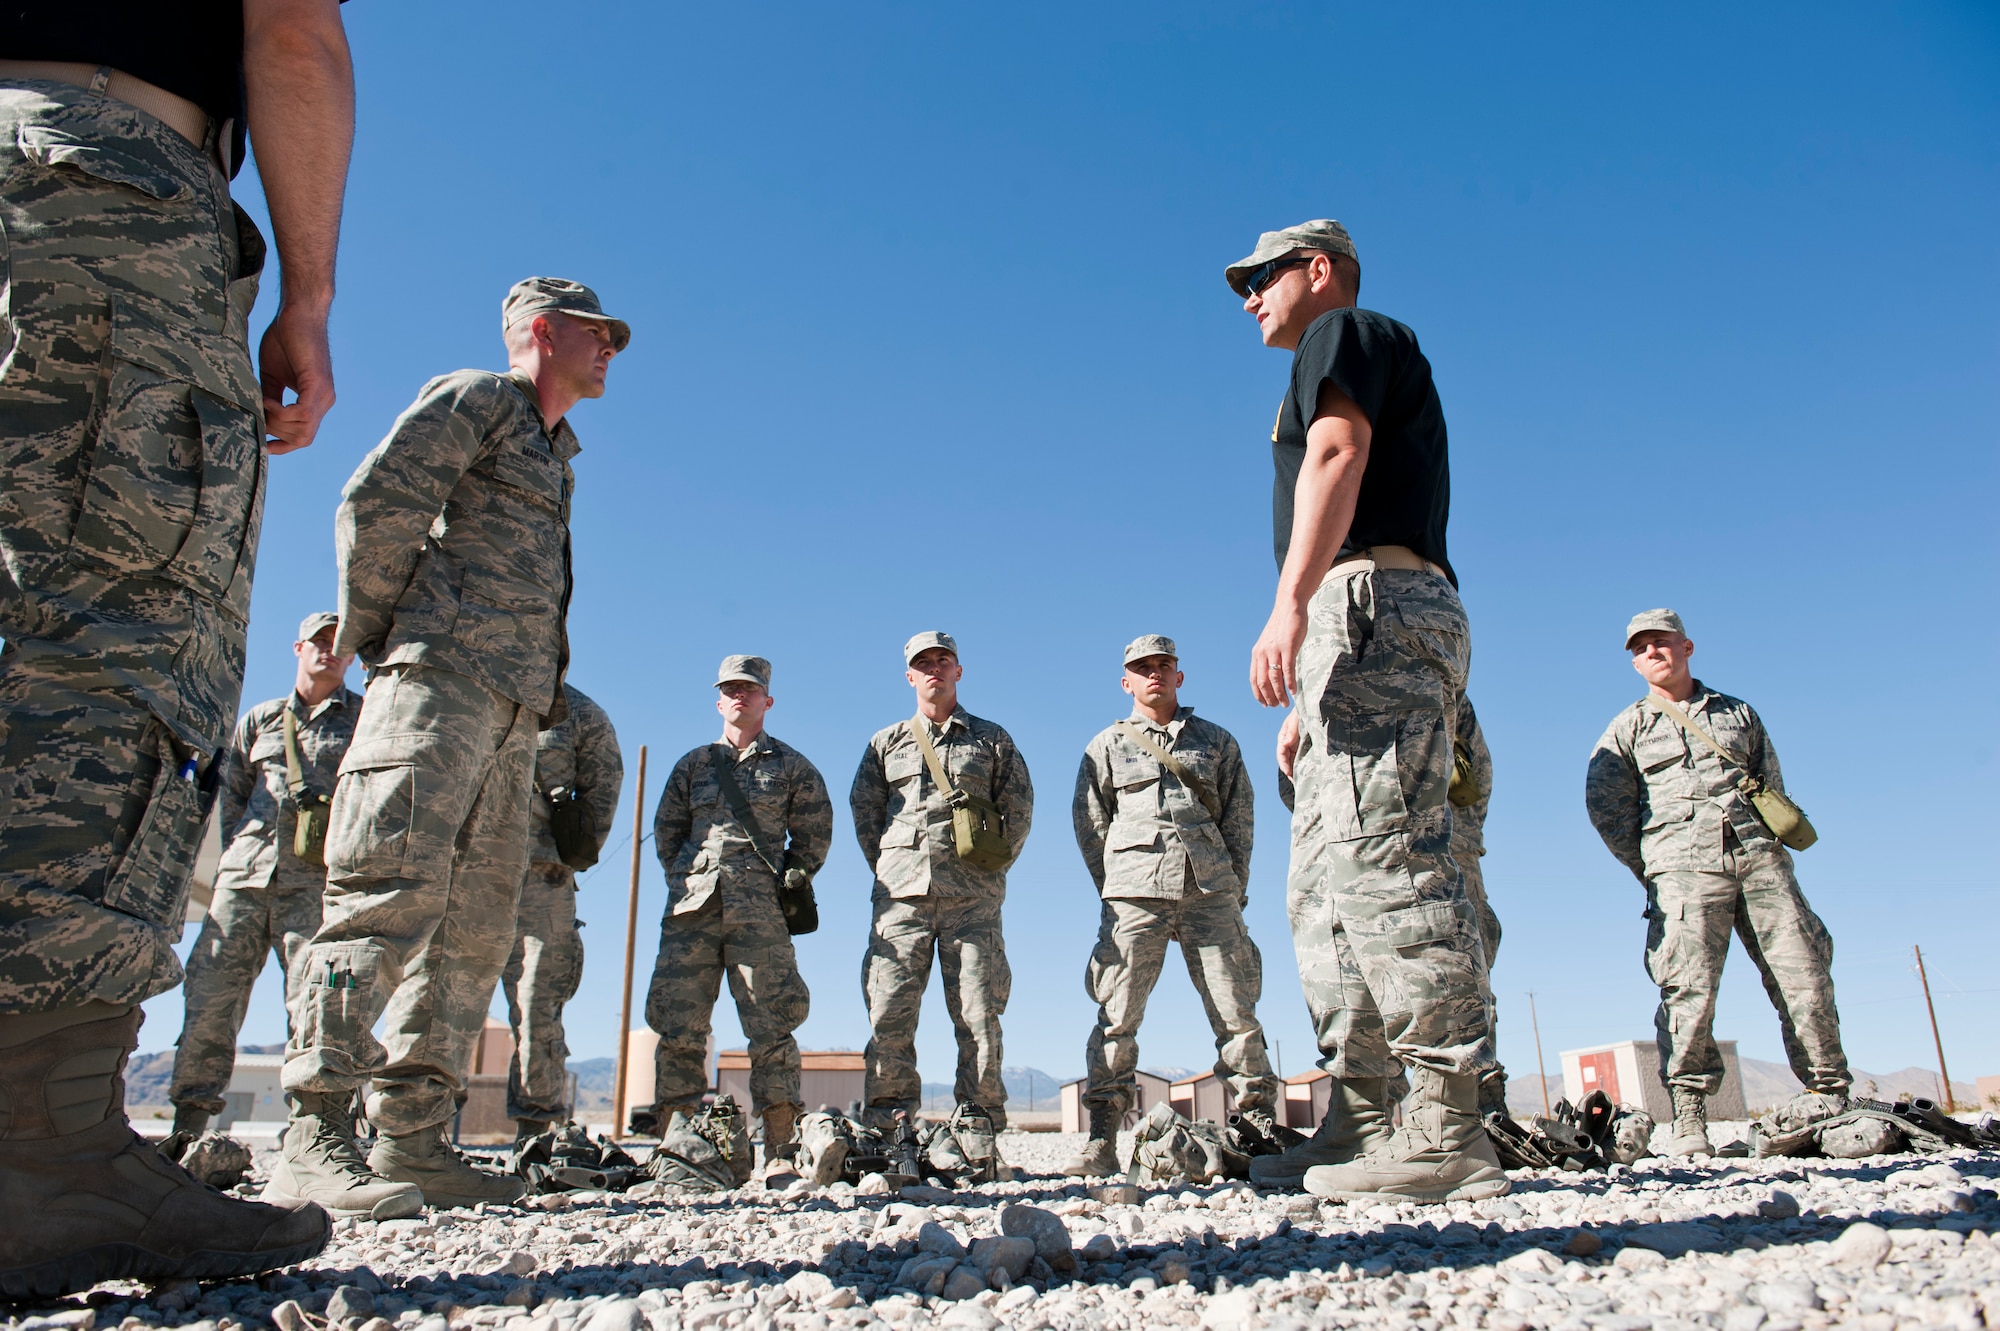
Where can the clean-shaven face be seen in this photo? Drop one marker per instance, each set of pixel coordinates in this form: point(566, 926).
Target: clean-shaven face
point(934, 674)
point(1661, 657)
point(1154, 680)
point(742, 704)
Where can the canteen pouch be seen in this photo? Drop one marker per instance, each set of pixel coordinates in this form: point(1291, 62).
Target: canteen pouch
point(311, 810)
point(573, 827)
point(801, 907)
point(1787, 821)
point(1464, 792)
point(976, 829)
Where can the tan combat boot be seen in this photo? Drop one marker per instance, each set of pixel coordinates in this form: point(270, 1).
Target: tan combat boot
point(1690, 1131)
point(780, 1133)
point(321, 1162)
point(527, 1129)
point(84, 1199)
point(1099, 1156)
point(428, 1159)
point(1440, 1154)
point(1356, 1121)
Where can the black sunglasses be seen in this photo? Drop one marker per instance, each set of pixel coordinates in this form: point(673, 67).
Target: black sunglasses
point(1259, 278)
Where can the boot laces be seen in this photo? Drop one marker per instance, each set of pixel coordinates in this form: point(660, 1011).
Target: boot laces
point(338, 1149)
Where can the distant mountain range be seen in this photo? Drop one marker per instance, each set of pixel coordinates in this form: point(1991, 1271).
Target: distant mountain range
point(1767, 1085)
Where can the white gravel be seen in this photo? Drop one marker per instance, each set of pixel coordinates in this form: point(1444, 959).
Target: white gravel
point(1778, 1245)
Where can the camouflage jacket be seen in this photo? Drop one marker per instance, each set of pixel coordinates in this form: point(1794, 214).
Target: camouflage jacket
point(579, 752)
point(258, 817)
point(1662, 800)
point(903, 820)
point(703, 846)
point(453, 540)
point(1141, 830)
point(1468, 823)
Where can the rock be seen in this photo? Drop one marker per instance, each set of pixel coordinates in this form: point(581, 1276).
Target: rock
point(841, 1297)
point(1779, 1205)
point(520, 1294)
point(70, 1319)
point(1045, 1229)
point(350, 1303)
point(1099, 1248)
point(963, 1282)
point(289, 1316)
point(925, 1273)
point(615, 1315)
point(516, 1263)
point(1116, 1194)
point(935, 1238)
point(1007, 1253)
point(925, 1194)
point(1539, 1261)
point(175, 1296)
point(378, 1324)
point(970, 1315)
point(1675, 1238)
point(1583, 1243)
point(1173, 1270)
point(872, 1185)
point(1233, 1311)
point(1638, 1259)
point(1788, 1298)
point(1018, 1297)
point(1743, 1317)
point(363, 1278)
point(809, 1287)
point(1861, 1244)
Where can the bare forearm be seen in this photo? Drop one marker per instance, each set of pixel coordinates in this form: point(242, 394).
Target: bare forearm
point(300, 81)
point(1323, 510)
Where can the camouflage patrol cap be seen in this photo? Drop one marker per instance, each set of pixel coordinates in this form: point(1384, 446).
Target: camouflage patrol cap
point(748, 669)
point(1653, 619)
point(1321, 233)
point(926, 640)
point(544, 295)
point(312, 624)
point(1150, 644)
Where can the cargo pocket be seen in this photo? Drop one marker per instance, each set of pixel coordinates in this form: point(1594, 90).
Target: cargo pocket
point(374, 811)
point(151, 881)
point(1415, 928)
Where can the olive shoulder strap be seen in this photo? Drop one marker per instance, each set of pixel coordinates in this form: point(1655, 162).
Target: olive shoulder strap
point(739, 804)
point(1180, 769)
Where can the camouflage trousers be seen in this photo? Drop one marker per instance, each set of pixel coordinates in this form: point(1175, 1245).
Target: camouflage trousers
point(739, 932)
point(131, 443)
point(1690, 916)
point(1227, 971)
point(426, 847)
point(1387, 938)
point(542, 974)
point(964, 933)
point(244, 926)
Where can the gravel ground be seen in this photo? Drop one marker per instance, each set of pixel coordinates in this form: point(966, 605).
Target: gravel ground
point(1778, 1245)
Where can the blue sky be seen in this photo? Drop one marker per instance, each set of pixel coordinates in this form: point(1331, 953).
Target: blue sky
point(930, 331)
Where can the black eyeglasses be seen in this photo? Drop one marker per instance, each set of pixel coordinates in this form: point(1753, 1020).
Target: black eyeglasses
point(1259, 278)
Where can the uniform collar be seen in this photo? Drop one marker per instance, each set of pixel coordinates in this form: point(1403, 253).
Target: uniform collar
point(563, 443)
point(959, 717)
point(759, 746)
point(340, 697)
point(1173, 727)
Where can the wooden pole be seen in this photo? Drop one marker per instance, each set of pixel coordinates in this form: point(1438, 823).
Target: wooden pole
point(1936, 1040)
point(1541, 1072)
point(631, 941)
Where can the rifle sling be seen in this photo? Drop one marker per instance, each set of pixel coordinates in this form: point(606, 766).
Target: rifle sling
point(732, 794)
point(1180, 769)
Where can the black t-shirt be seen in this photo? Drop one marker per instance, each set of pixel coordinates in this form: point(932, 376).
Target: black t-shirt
point(192, 48)
point(1406, 488)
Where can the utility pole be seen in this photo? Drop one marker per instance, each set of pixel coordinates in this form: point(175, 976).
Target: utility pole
point(1541, 1072)
point(1936, 1040)
point(631, 938)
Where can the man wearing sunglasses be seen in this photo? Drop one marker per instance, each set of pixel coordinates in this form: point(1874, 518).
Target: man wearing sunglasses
point(1369, 641)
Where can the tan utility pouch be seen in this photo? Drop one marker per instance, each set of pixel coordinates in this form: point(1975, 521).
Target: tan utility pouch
point(978, 827)
point(309, 829)
point(1787, 821)
point(1464, 792)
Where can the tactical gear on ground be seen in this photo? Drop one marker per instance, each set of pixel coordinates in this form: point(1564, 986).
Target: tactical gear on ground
point(824, 1143)
point(319, 1161)
point(565, 1158)
point(1167, 1146)
point(1590, 1135)
point(962, 1150)
point(1850, 1129)
point(1690, 1130)
point(84, 1199)
point(703, 1151)
point(1356, 1121)
point(1099, 1156)
point(427, 1158)
point(220, 1162)
point(1440, 1154)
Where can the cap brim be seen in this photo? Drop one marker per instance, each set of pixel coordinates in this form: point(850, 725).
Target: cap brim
point(741, 679)
point(621, 332)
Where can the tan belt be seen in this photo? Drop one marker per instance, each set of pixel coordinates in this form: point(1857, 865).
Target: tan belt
point(170, 109)
point(1384, 556)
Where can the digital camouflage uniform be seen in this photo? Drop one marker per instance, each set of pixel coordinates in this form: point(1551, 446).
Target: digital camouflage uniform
point(266, 898)
point(1668, 807)
point(1386, 933)
point(1169, 872)
point(926, 899)
point(1468, 847)
point(578, 753)
point(132, 424)
point(723, 915)
point(453, 543)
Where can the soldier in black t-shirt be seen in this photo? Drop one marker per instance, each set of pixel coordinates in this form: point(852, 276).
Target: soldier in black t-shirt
point(132, 435)
point(1369, 637)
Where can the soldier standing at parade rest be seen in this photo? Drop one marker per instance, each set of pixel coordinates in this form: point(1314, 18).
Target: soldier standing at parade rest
point(1369, 637)
point(927, 898)
point(267, 898)
point(133, 427)
point(1171, 860)
point(575, 759)
point(725, 875)
point(1674, 812)
point(1468, 848)
point(455, 578)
